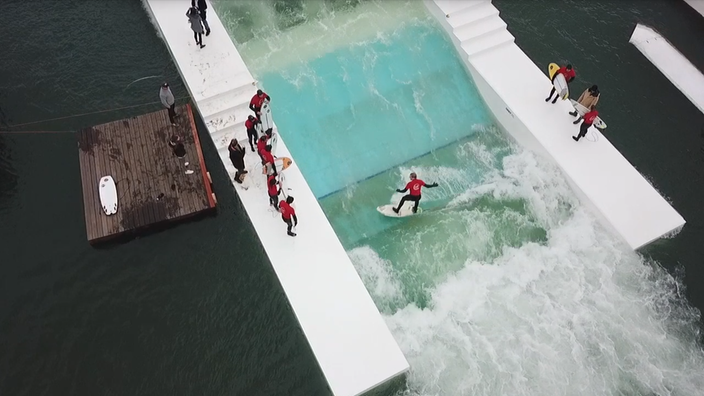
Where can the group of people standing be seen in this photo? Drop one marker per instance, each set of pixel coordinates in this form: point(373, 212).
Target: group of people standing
point(589, 98)
point(253, 125)
point(197, 17)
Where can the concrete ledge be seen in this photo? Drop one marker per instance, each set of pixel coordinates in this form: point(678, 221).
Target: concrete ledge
point(603, 179)
point(678, 69)
point(349, 338)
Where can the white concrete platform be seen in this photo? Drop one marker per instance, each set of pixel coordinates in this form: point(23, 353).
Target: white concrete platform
point(603, 179)
point(349, 338)
point(698, 5)
point(678, 69)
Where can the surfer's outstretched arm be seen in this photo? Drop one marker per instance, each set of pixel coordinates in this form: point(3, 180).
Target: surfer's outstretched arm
point(402, 191)
point(431, 185)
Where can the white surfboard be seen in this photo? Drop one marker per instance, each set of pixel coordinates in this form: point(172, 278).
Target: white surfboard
point(265, 117)
point(560, 84)
point(108, 195)
point(273, 141)
point(598, 122)
point(406, 210)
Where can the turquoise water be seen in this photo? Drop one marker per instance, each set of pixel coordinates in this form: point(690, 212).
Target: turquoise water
point(365, 108)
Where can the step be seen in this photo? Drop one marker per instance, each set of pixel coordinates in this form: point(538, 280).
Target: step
point(486, 42)
point(451, 6)
point(472, 14)
point(480, 28)
point(220, 86)
point(235, 97)
point(230, 116)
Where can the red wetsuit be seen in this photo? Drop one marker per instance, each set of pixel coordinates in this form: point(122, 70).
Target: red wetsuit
point(261, 145)
point(257, 100)
point(273, 188)
point(414, 187)
point(569, 74)
point(287, 210)
point(590, 117)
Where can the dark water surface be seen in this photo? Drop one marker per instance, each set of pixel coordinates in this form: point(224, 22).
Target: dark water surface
point(197, 309)
point(193, 310)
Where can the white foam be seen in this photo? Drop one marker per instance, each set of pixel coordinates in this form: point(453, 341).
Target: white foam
point(580, 314)
point(324, 31)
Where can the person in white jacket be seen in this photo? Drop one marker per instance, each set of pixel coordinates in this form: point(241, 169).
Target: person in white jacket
point(167, 99)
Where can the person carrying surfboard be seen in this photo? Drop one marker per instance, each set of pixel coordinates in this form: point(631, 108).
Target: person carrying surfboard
point(237, 157)
point(268, 160)
point(251, 125)
point(588, 121)
point(257, 101)
point(414, 187)
point(288, 213)
point(569, 74)
point(588, 98)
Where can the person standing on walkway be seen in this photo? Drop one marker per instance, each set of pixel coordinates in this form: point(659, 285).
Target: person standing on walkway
point(257, 101)
point(272, 185)
point(167, 99)
point(588, 98)
point(251, 125)
point(569, 74)
point(202, 6)
point(237, 157)
point(588, 121)
point(196, 25)
point(288, 213)
point(268, 160)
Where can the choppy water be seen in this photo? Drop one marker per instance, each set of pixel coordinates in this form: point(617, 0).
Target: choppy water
point(561, 309)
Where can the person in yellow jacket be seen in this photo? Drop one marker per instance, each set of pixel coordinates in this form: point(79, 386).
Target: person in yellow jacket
point(588, 98)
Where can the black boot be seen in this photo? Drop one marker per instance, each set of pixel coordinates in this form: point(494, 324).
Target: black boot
point(576, 139)
point(574, 113)
point(395, 210)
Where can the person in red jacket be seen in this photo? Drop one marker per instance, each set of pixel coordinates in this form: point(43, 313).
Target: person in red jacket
point(287, 214)
point(257, 101)
point(251, 125)
point(273, 188)
point(569, 74)
point(268, 160)
point(261, 145)
point(414, 186)
point(588, 121)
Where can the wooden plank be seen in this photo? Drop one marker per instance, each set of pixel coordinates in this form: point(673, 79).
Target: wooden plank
point(139, 215)
point(109, 169)
point(115, 154)
point(132, 179)
point(101, 170)
point(91, 137)
point(88, 195)
point(154, 144)
point(201, 159)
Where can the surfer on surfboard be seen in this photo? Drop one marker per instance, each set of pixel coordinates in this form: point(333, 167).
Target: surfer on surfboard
point(414, 187)
point(569, 74)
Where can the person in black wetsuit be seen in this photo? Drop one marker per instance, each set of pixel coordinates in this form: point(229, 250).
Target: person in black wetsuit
point(414, 187)
point(252, 135)
point(237, 157)
point(177, 146)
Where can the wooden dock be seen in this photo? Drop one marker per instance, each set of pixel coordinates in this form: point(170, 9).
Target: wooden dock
point(153, 185)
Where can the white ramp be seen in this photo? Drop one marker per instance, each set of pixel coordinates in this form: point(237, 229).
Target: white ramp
point(680, 71)
point(698, 5)
point(604, 180)
point(349, 338)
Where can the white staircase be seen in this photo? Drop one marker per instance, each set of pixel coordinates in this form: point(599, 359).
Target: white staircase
point(476, 25)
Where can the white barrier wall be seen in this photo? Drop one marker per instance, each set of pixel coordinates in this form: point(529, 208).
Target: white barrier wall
point(678, 69)
point(349, 338)
point(603, 179)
